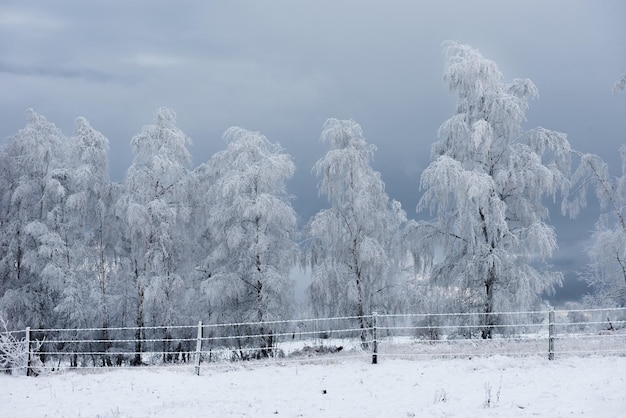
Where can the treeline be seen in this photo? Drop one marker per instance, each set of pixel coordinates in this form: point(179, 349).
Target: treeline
point(171, 245)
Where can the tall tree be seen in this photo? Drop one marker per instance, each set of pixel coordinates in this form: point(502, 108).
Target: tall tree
point(252, 228)
point(487, 184)
point(353, 248)
point(154, 209)
point(87, 226)
point(35, 180)
point(606, 273)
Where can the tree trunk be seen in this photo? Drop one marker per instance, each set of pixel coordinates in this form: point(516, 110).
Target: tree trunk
point(361, 312)
point(104, 311)
point(488, 319)
point(266, 340)
point(139, 323)
point(266, 335)
point(167, 345)
point(360, 299)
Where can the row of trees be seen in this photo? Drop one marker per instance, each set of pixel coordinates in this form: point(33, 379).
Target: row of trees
point(171, 245)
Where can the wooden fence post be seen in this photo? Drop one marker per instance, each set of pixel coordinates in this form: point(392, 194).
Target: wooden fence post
point(551, 335)
point(198, 348)
point(374, 338)
point(28, 355)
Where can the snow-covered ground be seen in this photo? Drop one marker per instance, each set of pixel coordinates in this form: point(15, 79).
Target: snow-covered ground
point(346, 387)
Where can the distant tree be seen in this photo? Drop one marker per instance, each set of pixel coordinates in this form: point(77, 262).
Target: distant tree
point(487, 184)
point(196, 303)
point(251, 230)
point(354, 248)
point(153, 209)
point(620, 85)
point(606, 273)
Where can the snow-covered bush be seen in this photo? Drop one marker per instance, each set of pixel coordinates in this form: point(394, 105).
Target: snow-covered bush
point(13, 351)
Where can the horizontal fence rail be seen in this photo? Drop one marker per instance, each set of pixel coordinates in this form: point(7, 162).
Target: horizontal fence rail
point(421, 336)
point(538, 333)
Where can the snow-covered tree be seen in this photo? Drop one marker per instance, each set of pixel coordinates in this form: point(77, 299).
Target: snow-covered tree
point(487, 184)
point(251, 228)
point(88, 227)
point(606, 273)
point(34, 253)
point(353, 248)
point(153, 208)
point(620, 85)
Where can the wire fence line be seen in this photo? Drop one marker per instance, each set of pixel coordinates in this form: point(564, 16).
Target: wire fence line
point(421, 335)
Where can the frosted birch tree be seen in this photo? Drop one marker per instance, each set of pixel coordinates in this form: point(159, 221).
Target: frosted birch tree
point(353, 248)
point(252, 231)
point(7, 261)
point(606, 273)
point(153, 207)
point(487, 183)
point(35, 181)
point(88, 226)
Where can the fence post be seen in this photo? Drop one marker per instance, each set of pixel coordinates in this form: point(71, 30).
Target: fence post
point(551, 335)
point(374, 338)
point(28, 356)
point(198, 348)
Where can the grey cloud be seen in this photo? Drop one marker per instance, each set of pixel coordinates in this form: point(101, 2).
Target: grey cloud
point(63, 72)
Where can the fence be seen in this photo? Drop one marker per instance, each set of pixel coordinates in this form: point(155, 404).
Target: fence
point(540, 333)
point(552, 334)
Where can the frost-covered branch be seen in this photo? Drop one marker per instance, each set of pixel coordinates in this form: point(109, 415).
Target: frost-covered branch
point(620, 84)
point(14, 353)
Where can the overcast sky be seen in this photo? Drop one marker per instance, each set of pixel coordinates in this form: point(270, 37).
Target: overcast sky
point(283, 67)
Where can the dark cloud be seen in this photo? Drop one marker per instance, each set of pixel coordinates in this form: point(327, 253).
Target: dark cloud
point(283, 67)
point(51, 71)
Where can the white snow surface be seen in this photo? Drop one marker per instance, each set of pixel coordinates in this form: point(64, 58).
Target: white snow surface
point(347, 387)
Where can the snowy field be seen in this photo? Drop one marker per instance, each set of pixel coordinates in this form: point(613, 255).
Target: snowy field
point(347, 387)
